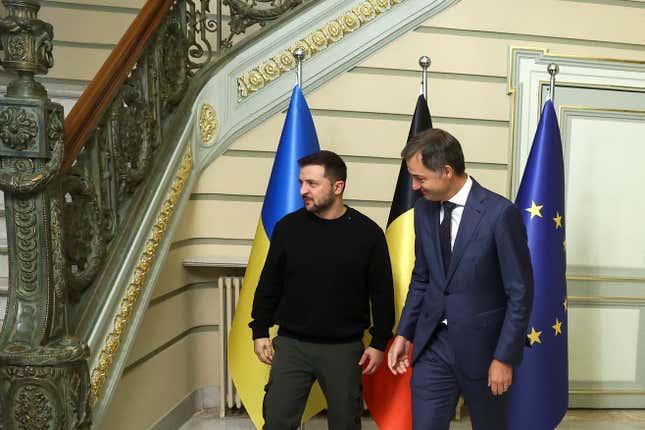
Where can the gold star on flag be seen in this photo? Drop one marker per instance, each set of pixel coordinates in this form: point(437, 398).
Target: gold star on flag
point(558, 220)
point(534, 336)
point(565, 305)
point(557, 327)
point(534, 210)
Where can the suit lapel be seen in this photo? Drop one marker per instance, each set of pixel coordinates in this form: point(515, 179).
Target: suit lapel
point(470, 219)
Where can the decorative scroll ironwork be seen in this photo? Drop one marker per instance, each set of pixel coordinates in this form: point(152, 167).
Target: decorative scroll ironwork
point(200, 23)
point(247, 13)
point(84, 239)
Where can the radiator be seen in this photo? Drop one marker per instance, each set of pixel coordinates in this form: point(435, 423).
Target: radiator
point(229, 293)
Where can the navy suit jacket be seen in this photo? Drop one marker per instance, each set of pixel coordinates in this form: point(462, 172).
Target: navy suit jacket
point(487, 293)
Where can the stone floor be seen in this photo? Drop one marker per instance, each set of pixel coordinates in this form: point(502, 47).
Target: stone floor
point(577, 419)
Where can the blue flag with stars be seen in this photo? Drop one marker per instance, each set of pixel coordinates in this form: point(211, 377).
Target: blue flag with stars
point(539, 393)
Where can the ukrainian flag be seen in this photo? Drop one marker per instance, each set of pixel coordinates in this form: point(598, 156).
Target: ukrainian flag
point(282, 197)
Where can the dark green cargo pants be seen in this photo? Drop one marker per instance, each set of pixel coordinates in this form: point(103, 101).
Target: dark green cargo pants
point(296, 365)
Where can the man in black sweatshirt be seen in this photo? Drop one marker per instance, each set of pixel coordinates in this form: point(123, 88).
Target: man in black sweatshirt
point(327, 262)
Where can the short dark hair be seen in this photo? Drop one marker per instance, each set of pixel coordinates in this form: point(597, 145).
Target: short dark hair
point(437, 148)
point(335, 168)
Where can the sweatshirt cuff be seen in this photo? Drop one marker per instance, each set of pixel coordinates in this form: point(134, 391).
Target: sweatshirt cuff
point(259, 332)
point(379, 343)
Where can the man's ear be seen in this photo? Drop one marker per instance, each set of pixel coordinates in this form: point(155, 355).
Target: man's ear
point(339, 187)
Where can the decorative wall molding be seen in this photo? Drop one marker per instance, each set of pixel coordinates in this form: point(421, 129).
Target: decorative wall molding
point(528, 81)
point(316, 41)
point(148, 254)
point(112, 336)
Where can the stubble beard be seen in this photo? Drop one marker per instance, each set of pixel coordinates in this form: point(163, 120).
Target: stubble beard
point(318, 208)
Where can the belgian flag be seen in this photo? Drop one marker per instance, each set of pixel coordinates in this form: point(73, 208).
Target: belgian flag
point(388, 396)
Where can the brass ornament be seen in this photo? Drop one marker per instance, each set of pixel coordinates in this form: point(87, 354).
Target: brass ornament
point(139, 276)
point(318, 40)
point(208, 124)
point(381, 5)
point(315, 42)
point(18, 48)
point(351, 20)
point(285, 61)
point(18, 128)
point(334, 31)
point(269, 70)
point(34, 407)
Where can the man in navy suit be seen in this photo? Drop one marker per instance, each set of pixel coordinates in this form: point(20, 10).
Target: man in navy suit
point(470, 297)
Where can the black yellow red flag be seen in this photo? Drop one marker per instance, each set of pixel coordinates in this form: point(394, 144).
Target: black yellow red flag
point(388, 396)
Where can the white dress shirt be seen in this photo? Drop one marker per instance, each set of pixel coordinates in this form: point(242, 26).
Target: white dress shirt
point(460, 200)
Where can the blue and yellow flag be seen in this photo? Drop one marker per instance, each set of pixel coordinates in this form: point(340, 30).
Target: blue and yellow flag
point(282, 197)
point(539, 394)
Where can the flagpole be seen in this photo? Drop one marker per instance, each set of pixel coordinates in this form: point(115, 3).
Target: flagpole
point(299, 55)
point(424, 62)
point(553, 70)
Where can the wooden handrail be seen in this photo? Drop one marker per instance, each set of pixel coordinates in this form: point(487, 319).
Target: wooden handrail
point(90, 107)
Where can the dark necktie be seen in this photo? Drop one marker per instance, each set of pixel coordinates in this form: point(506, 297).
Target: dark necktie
point(444, 234)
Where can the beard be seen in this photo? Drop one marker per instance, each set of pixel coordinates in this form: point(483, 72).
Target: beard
point(322, 205)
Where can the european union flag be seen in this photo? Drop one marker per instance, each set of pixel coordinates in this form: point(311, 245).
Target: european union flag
point(298, 140)
point(539, 394)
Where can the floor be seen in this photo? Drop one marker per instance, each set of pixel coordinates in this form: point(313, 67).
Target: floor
point(578, 419)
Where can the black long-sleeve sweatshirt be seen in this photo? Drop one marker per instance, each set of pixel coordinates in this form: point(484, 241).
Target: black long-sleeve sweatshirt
point(319, 278)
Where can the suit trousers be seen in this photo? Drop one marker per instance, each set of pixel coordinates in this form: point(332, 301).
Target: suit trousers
point(436, 384)
point(296, 366)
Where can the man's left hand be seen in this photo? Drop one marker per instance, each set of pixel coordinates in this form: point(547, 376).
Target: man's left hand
point(500, 377)
point(371, 358)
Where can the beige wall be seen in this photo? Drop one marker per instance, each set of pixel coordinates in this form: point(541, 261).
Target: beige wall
point(176, 353)
point(85, 31)
point(364, 115)
point(177, 348)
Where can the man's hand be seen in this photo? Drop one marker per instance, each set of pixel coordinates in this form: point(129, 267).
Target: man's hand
point(263, 349)
point(373, 357)
point(397, 358)
point(500, 377)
